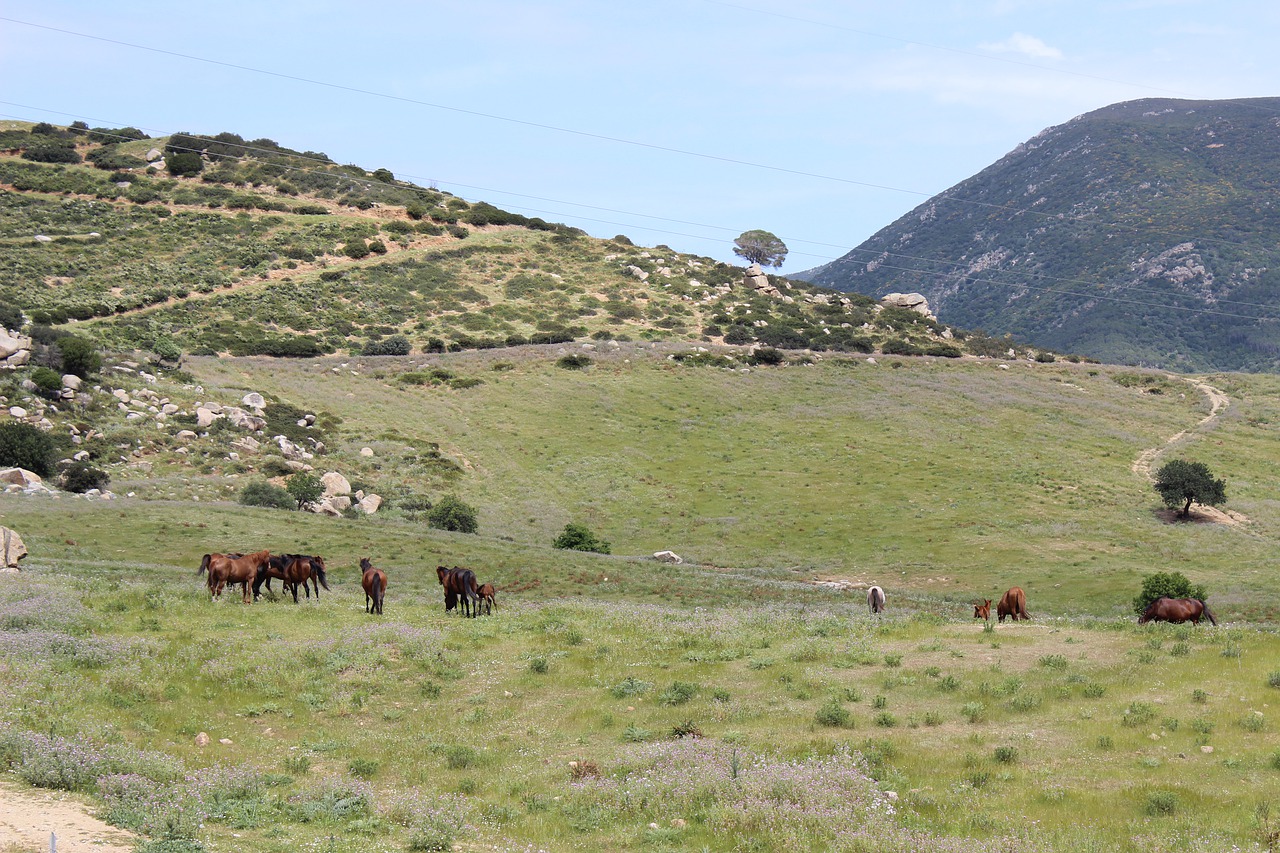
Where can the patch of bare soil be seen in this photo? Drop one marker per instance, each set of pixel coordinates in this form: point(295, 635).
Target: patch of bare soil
point(1202, 515)
point(29, 816)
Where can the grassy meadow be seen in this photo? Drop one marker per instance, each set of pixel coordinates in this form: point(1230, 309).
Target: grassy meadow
point(613, 702)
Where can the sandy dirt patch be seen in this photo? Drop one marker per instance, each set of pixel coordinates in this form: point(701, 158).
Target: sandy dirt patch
point(28, 816)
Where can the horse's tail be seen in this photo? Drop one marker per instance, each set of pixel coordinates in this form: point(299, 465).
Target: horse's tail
point(318, 568)
point(204, 563)
point(1209, 613)
point(377, 588)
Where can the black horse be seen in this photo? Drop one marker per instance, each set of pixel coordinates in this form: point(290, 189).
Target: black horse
point(459, 583)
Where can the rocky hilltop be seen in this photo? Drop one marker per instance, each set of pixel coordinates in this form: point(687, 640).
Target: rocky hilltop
point(1146, 232)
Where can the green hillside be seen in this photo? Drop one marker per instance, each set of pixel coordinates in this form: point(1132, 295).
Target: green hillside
point(251, 248)
point(1140, 233)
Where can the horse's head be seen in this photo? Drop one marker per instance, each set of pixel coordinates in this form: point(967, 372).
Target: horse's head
point(365, 565)
point(441, 571)
point(982, 610)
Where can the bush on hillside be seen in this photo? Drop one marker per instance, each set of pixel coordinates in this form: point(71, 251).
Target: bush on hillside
point(577, 537)
point(574, 362)
point(79, 357)
point(25, 446)
point(48, 382)
point(80, 477)
point(184, 164)
point(51, 152)
point(264, 494)
point(1171, 584)
point(394, 345)
point(305, 488)
point(452, 514)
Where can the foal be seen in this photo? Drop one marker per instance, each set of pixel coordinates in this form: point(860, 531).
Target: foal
point(486, 591)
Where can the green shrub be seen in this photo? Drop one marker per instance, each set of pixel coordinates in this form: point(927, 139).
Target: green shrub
point(393, 345)
point(48, 382)
point(305, 488)
point(834, 715)
point(1006, 754)
point(25, 446)
point(574, 362)
point(1161, 803)
point(767, 356)
point(184, 164)
point(629, 686)
point(51, 152)
point(1171, 584)
point(80, 477)
point(79, 356)
point(356, 249)
point(452, 514)
point(678, 693)
point(576, 537)
point(264, 494)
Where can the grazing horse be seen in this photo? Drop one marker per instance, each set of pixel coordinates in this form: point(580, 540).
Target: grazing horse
point(875, 599)
point(982, 609)
point(488, 600)
point(225, 568)
point(301, 568)
point(374, 581)
point(1014, 604)
point(459, 583)
point(1165, 609)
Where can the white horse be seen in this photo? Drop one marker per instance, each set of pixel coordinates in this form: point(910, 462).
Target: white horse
point(875, 599)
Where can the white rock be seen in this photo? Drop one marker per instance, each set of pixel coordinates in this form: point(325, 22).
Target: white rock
point(369, 504)
point(17, 412)
point(366, 451)
point(11, 548)
point(335, 484)
point(254, 400)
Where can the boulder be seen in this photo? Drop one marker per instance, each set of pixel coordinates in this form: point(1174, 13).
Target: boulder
point(369, 504)
point(637, 272)
point(668, 557)
point(246, 444)
point(366, 451)
point(11, 548)
point(17, 412)
point(914, 301)
point(205, 418)
point(341, 503)
point(186, 434)
point(323, 507)
point(756, 278)
point(19, 359)
point(254, 400)
point(335, 484)
point(10, 344)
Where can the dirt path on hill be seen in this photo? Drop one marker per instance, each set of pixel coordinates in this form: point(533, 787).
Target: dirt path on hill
point(1143, 465)
point(29, 815)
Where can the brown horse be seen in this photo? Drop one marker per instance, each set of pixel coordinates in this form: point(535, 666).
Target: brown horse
point(488, 600)
point(875, 599)
point(374, 581)
point(225, 568)
point(459, 583)
point(1165, 609)
point(301, 569)
point(982, 610)
point(1013, 603)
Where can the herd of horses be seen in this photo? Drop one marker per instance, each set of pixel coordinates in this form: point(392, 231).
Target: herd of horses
point(307, 571)
point(461, 588)
point(1014, 605)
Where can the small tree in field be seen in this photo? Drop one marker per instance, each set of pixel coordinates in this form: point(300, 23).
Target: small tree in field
point(1171, 584)
point(79, 356)
point(1181, 482)
point(577, 537)
point(452, 514)
point(305, 488)
point(760, 247)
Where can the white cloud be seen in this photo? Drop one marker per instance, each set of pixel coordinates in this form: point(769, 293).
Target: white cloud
point(1023, 44)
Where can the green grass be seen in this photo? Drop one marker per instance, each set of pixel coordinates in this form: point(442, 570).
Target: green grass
point(940, 481)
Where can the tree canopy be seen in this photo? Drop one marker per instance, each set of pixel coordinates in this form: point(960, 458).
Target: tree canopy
point(760, 247)
point(1172, 584)
point(1180, 482)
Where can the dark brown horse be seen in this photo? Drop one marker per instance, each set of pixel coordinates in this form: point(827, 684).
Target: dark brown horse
point(488, 597)
point(459, 583)
point(982, 610)
point(1165, 609)
point(1013, 603)
point(374, 581)
point(273, 569)
point(226, 568)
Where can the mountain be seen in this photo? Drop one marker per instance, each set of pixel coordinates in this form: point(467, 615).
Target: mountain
point(218, 245)
point(1145, 232)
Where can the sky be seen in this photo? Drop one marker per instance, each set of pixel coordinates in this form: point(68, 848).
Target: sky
point(674, 122)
